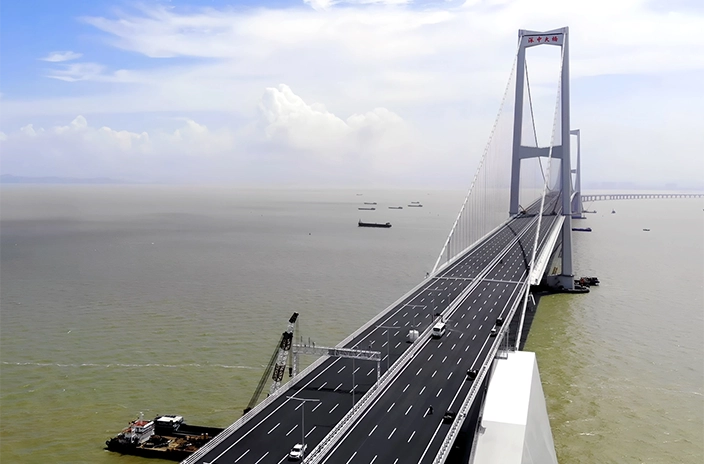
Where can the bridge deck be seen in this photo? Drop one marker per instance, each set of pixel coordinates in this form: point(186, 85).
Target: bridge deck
point(398, 427)
point(266, 434)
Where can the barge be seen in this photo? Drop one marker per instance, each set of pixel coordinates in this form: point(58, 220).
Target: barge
point(385, 225)
point(164, 437)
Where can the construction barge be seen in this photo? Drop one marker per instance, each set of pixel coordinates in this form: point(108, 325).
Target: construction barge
point(165, 437)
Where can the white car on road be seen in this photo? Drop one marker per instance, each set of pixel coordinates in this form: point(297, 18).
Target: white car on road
point(297, 451)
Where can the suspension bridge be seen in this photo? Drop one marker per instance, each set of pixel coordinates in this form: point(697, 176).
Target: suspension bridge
point(372, 398)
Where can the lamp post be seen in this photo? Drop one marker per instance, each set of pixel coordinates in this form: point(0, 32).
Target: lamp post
point(303, 421)
point(353, 385)
point(388, 342)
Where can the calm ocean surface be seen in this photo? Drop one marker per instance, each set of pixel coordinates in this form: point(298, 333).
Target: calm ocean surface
point(121, 299)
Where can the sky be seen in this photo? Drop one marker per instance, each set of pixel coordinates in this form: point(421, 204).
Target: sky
point(340, 93)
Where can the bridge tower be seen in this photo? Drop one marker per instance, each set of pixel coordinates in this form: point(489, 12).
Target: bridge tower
point(527, 39)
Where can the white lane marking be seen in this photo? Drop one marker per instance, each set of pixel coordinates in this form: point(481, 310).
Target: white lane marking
point(297, 407)
point(260, 459)
point(448, 377)
point(391, 435)
point(411, 437)
point(243, 454)
point(461, 333)
point(294, 428)
point(341, 369)
point(434, 374)
point(355, 371)
point(385, 356)
point(397, 345)
point(370, 433)
point(324, 383)
point(405, 314)
point(419, 371)
point(480, 327)
point(394, 404)
point(336, 388)
point(384, 344)
point(351, 457)
point(274, 427)
point(370, 371)
point(333, 408)
point(404, 390)
point(462, 317)
point(397, 332)
point(384, 332)
point(443, 359)
point(406, 324)
point(409, 408)
point(453, 346)
point(475, 336)
point(458, 361)
point(438, 393)
point(475, 316)
point(282, 459)
point(421, 391)
point(372, 461)
point(430, 357)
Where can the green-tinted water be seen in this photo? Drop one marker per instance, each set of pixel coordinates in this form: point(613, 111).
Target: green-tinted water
point(623, 367)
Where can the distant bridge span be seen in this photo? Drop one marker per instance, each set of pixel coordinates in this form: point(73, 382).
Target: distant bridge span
point(638, 196)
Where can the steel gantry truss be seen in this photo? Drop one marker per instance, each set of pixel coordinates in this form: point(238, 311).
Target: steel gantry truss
point(337, 352)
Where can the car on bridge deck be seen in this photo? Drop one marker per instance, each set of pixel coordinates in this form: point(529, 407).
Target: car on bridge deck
point(448, 417)
point(297, 451)
point(439, 330)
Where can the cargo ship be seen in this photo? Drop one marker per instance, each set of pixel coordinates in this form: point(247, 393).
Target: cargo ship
point(385, 225)
point(367, 209)
point(164, 437)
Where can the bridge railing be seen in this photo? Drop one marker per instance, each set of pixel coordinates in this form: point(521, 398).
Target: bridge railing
point(502, 333)
point(335, 434)
point(251, 414)
point(321, 451)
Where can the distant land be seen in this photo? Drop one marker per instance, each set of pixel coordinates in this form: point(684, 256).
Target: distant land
point(10, 179)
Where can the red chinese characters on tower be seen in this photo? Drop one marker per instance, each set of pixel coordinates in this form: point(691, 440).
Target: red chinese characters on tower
point(555, 39)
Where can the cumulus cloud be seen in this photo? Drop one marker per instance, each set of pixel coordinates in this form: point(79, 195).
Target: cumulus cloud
point(296, 140)
point(56, 57)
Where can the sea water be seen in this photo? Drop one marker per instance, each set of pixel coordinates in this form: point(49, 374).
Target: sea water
point(117, 300)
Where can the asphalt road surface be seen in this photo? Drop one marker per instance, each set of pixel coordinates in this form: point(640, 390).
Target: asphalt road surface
point(397, 427)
